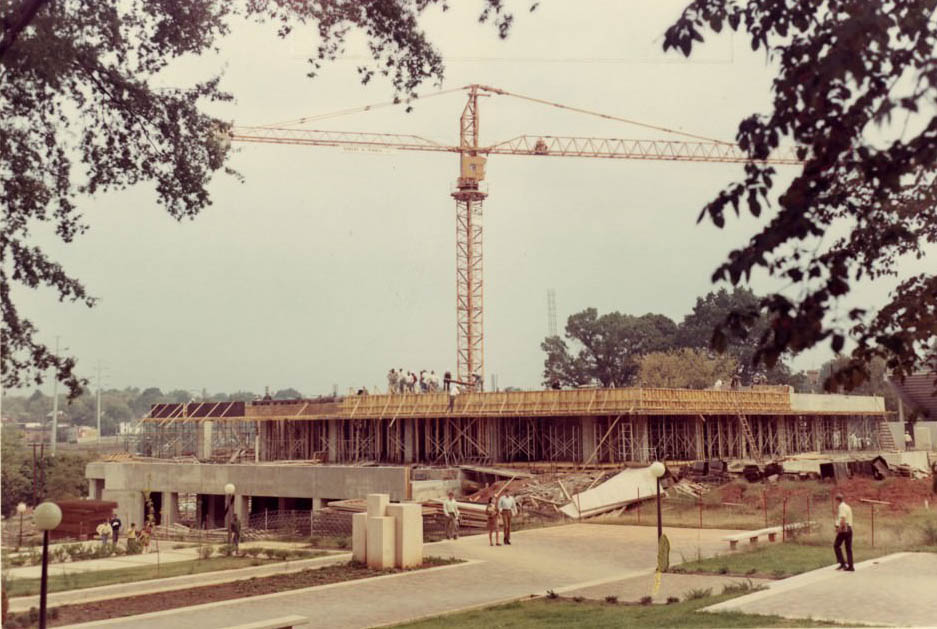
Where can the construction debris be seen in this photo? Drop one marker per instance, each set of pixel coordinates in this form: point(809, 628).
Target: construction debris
point(626, 487)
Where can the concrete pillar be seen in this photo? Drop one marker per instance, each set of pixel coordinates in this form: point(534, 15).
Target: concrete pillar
point(316, 504)
point(96, 489)
point(169, 507)
point(588, 439)
point(283, 504)
point(698, 443)
point(380, 544)
point(334, 436)
point(496, 451)
point(205, 441)
point(408, 534)
point(642, 444)
point(782, 436)
point(409, 433)
point(241, 508)
point(359, 537)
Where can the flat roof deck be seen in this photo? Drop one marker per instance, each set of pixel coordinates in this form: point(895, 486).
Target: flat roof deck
point(769, 400)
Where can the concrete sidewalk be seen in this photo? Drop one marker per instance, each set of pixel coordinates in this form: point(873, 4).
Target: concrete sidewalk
point(898, 590)
point(558, 558)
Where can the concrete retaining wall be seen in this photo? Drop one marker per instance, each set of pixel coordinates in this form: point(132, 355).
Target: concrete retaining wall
point(833, 403)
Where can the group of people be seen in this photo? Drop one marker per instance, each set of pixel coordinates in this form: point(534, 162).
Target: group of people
point(109, 531)
point(498, 511)
point(427, 381)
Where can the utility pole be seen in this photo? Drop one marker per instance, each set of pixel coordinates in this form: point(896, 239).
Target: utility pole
point(55, 401)
point(99, 402)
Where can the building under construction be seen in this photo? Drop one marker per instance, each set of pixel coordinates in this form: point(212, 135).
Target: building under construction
point(301, 454)
point(579, 426)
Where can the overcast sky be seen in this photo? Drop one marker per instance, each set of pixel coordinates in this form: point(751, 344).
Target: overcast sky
point(330, 267)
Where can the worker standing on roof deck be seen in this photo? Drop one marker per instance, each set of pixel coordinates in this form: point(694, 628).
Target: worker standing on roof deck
point(450, 509)
point(508, 508)
point(446, 379)
point(453, 389)
point(392, 381)
point(843, 534)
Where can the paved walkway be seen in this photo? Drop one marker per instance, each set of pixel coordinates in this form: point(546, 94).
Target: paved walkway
point(558, 558)
point(899, 590)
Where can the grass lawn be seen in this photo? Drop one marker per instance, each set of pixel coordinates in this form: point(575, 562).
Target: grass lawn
point(81, 580)
point(568, 614)
point(776, 560)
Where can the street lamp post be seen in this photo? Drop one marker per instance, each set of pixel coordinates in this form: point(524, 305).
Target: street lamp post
point(47, 517)
point(657, 471)
point(229, 495)
point(21, 509)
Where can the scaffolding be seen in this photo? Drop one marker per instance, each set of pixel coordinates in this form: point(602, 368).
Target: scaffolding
point(604, 426)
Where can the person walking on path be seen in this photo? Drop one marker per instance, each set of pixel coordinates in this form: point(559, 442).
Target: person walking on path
point(508, 508)
point(843, 534)
point(491, 512)
point(145, 536)
point(104, 532)
point(115, 528)
point(450, 509)
point(235, 530)
point(453, 389)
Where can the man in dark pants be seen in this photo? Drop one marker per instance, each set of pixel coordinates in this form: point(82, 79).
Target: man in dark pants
point(115, 526)
point(843, 534)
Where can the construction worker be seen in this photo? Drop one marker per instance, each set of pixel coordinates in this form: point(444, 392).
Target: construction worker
point(392, 381)
point(235, 531)
point(453, 389)
point(450, 509)
point(907, 440)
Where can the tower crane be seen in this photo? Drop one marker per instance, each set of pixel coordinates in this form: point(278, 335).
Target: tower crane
point(469, 195)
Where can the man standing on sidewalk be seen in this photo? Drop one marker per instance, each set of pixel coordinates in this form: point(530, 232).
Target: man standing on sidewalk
point(508, 508)
point(115, 527)
point(450, 509)
point(843, 534)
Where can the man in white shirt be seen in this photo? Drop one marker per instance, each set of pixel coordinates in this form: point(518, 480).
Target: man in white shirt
point(453, 391)
point(450, 508)
point(508, 508)
point(843, 534)
point(907, 440)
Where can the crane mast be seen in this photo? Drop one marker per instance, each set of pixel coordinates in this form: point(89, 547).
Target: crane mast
point(469, 198)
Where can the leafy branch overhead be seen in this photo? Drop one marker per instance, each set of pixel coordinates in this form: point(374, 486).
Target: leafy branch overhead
point(81, 114)
point(855, 90)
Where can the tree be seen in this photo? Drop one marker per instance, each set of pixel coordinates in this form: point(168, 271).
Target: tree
point(685, 368)
point(15, 480)
point(287, 394)
point(846, 68)
point(609, 347)
point(87, 119)
point(877, 384)
point(696, 331)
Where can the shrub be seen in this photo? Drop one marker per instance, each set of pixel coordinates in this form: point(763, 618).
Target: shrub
point(552, 594)
point(226, 550)
point(723, 570)
point(646, 600)
point(611, 599)
point(314, 541)
point(738, 587)
point(929, 532)
point(342, 542)
point(253, 552)
point(578, 599)
point(697, 593)
point(672, 599)
point(205, 552)
point(751, 571)
point(134, 547)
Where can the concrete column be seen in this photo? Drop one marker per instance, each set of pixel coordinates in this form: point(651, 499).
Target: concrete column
point(494, 430)
point(282, 503)
point(588, 438)
point(205, 441)
point(240, 507)
point(698, 443)
point(169, 506)
point(409, 432)
point(96, 488)
point(782, 436)
point(316, 504)
point(334, 433)
point(642, 444)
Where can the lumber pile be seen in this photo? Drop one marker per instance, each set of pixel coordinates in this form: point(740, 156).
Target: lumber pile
point(471, 515)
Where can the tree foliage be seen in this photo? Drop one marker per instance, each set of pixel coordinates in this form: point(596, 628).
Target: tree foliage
point(81, 114)
point(854, 93)
point(609, 347)
point(685, 368)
